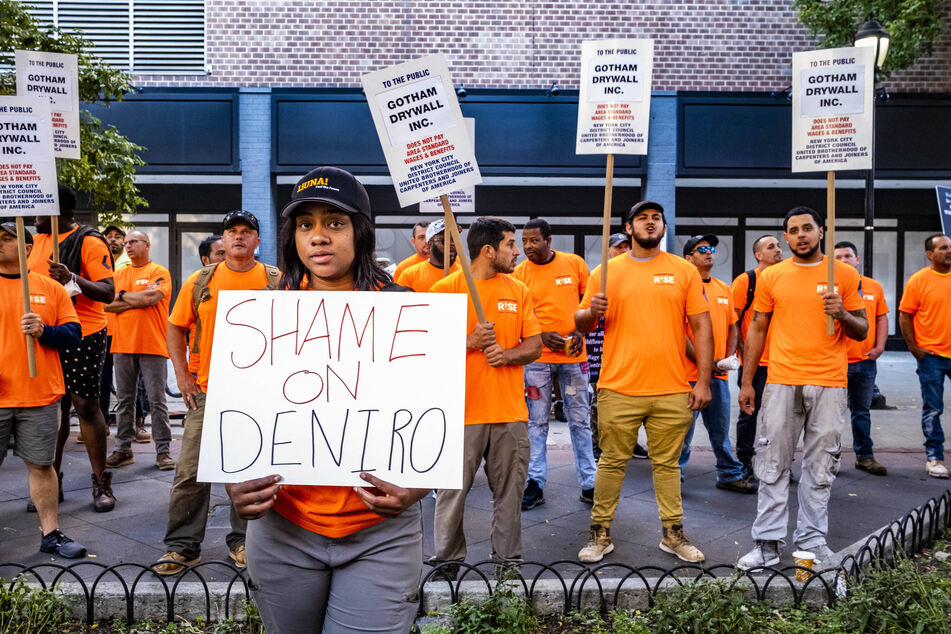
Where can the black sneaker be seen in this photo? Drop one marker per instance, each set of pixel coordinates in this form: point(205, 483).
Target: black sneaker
point(57, 543)
point(587, 496)
point(559, 411)
point(639, 452)
point(533, 496)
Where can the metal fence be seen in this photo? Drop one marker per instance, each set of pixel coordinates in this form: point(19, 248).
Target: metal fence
point(908, 535)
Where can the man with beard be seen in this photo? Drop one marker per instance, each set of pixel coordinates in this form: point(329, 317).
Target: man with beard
point(420, 277)
point(556, 281)
point(422, 249)
point(767, 252)
point(85, 270)
point(115, 238)
point(496, 414)
point(649, 296)
point(805, 392)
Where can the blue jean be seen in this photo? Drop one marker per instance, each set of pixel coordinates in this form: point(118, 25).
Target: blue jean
point(932, 369)
point(573, 379)
point(716, 418)
point(861, 385)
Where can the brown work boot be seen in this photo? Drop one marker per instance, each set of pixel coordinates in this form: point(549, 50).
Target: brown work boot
point(676, 543)
point(239, 556)
point(164, 461)
point(172, 568)
point(119, 459)
point(142, 435)
point(871, 465)
point(599, 544)
point(103, 499)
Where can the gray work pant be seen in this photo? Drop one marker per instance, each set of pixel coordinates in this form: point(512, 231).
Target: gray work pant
point(364, 582)
point(818, 414)
point(154, 374)
point(189, 500)
point(505, 449)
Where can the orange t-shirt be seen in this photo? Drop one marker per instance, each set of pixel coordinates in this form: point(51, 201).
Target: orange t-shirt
point(412, 260)
point(927, 298)
point(183, 314)
point(741, 285)
point(875, 306)
point(96, 266)
point(495, 395)
point(556, 287)
point(420, 277)
point(51, 302)
point(722, 316)
point(142, 330)
point(644, 334)
point(800, 351)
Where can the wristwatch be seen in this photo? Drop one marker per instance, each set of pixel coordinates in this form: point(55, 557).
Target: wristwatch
point(119, 296)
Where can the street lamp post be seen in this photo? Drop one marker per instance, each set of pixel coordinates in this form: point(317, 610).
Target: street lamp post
point(872, 35)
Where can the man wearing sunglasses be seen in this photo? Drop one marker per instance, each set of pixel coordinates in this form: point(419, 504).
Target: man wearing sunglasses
point(701, 252)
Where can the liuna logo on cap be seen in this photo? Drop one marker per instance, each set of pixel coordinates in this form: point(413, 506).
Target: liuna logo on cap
point(318, 183)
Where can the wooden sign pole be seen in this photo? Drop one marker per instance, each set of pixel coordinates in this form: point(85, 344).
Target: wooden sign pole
point(463, 258)
point(606, 221)
point(25, 288)
point(830, 240)
point(447, 213)
point(54, 234)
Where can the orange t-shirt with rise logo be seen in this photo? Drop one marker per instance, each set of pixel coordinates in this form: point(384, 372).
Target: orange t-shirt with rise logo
point(421, 277)
point(556, 287)
point(740, 288)
point(51, 302)
point(412, 260)
point(722, 316)
point(875, 306)
point(495, 395)
point(142, 330)
point(96, 266)
point(183, 314)
point(800, 350)
point(644, 334)
point(927, 298)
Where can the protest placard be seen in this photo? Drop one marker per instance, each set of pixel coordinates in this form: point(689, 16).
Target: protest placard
point(614, 100)
point(321, 386)
point(418, 120)
point(27, 167)
point(944, 208)
point(832, 100)
point(53, 76)
point(461, 200)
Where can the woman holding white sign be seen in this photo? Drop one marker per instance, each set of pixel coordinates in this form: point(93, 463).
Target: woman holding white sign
point(332, 558)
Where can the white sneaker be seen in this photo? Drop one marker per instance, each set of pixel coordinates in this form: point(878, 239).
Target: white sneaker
point(825, 558)
point(936, 469)
point(764, 553)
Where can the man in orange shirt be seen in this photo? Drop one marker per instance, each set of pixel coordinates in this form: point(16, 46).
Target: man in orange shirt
point(422, 249)
point(767, 252)
point(556, 281)
point(862, 367)
point(649, 296)
point(115, 238)
point(420, 277)
point(700, 251)
point(496, 415)
point(924, 315)
point(805, 392)
point(85, 270)
point(144, 289)
point(189, 500)
point(29, 408)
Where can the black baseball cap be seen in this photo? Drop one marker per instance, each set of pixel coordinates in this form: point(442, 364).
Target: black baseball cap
point(113, 228)
point(332, 185)
point(618, 238)
point(641, 206)
point(240, 215)
point(692, 242)
point(11, 228)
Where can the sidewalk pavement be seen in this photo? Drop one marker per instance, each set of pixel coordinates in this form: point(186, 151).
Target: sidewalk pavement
point(717, 521)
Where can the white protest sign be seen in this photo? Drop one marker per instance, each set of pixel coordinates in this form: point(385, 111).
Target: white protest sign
point(614, 101)
point(832, 101)
point(418, 120)
point(320, 386)
point(461, 200)
point(54, 76)
point(27, 166)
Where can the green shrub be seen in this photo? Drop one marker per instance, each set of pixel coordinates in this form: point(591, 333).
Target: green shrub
point(504, 612)
point(25, 609)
